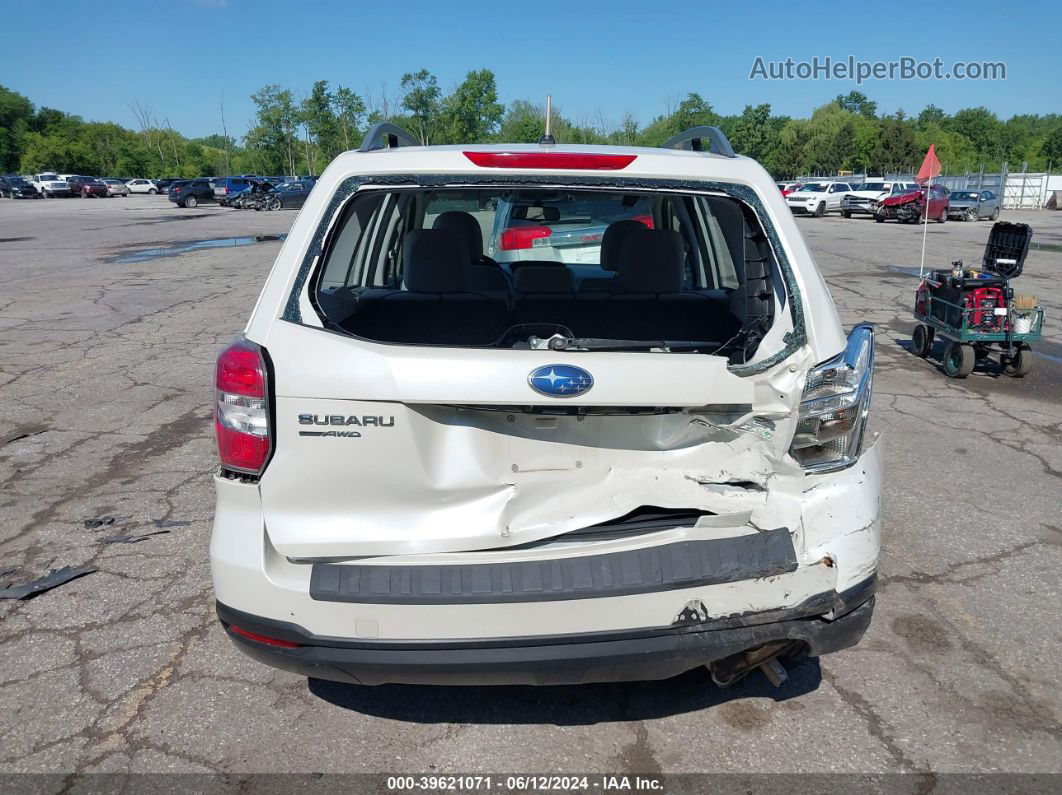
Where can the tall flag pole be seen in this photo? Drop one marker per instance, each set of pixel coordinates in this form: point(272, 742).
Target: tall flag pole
point(930, 168)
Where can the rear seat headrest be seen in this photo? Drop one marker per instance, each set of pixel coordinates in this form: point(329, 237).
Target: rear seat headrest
point(466, 227)
point(612, 241)
point(651, 261)
point(543, 279)
point(435, 261)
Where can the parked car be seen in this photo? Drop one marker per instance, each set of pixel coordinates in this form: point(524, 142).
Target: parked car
point(289, 196)
point(817, 198)
point(115, 187)
point(788, 187)
point(256, 197)
point(49, 184)
point(438, 469)
point(142, 186)
point(973, 205)
point(163, 185)
point(228, 186)
point(237, 200)
point(13, 186)
point(87, 187)
point(550, 226)
point(191, 192)
point(865, 197)
point(910, 207)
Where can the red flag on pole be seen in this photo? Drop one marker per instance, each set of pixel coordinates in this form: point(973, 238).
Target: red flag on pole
point(930, 167)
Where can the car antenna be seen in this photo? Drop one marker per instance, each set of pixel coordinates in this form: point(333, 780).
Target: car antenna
point(547, 139)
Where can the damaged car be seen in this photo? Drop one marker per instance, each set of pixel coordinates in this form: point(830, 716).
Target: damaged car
point(643, 455)
point(910, 206)
point(973, 205)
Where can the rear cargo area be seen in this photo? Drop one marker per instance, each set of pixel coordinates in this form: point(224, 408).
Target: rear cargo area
point(492, 267)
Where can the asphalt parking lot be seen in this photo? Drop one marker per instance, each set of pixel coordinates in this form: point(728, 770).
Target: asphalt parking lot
point(106, 352)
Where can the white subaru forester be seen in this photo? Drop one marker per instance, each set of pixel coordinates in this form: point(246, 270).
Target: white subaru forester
point(617, 461)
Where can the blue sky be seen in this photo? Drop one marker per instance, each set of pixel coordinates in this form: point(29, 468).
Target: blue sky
point(182, 56)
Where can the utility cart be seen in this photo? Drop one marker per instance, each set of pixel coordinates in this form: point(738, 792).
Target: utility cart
point(976, 309)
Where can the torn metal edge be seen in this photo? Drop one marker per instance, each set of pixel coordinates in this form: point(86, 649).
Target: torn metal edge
point(49, 581)
point(131, 539)
point(793, 339)
point(169, 523)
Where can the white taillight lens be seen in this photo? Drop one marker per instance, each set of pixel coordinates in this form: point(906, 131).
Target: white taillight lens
point(243, 414)
point(241, 409)
point(833, 408)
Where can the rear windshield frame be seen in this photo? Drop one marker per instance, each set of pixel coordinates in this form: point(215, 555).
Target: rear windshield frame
point(319, 243)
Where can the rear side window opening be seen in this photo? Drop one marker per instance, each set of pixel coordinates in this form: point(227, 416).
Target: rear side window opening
point(506, 268)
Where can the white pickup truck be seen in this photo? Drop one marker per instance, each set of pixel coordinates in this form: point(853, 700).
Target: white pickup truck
point(817, 198)
point(49, 184)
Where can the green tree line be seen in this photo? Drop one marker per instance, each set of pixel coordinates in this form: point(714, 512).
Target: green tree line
point(299, 132)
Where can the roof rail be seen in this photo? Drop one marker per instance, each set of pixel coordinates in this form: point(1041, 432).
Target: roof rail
point(386, 136)
point(695, 138)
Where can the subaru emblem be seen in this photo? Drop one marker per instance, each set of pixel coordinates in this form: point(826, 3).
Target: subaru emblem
point(560, 380)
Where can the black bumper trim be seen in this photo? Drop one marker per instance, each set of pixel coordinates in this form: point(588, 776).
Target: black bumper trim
point(685, 564)
point(655, 656)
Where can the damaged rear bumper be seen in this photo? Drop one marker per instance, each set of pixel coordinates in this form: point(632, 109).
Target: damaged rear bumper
point(647, 606)
point(556, 660)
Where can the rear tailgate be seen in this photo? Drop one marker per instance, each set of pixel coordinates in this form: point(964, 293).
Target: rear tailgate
point(386, 449)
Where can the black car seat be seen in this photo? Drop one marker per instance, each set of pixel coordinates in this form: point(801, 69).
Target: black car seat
point(544, 293)
point(650, 300)
point(437, 305)
point(611, 245)
point(485, 275)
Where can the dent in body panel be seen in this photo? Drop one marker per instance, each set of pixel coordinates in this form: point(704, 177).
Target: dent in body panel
point(484, 479)
point(842, 516)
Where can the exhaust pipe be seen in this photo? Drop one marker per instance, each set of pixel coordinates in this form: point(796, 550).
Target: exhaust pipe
point(736, 667)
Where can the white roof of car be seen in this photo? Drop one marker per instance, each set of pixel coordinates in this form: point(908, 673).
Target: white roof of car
point(605, 149)
point(649, 162)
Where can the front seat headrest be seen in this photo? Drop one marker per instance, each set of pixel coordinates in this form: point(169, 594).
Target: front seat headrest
point(652, 261)
point(612, 241)
point(435, 261)
point(466, 227)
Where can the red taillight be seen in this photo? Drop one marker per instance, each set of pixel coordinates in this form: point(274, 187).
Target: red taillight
point(243, 633)
point(645, 219)
point(516, 237)
point(241, 411)
point(240, 369)
point(550, 160)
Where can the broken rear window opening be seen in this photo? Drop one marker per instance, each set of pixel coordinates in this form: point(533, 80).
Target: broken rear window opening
point(560, 269)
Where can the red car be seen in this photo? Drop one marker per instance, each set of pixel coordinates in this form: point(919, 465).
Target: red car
point(909, 207)
point(86, 187)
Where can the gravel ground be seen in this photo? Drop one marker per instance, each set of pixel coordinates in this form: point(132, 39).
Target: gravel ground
point(105, 403)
